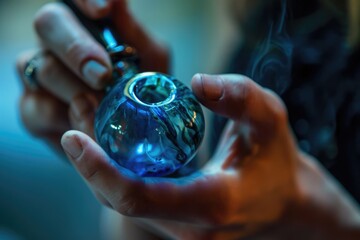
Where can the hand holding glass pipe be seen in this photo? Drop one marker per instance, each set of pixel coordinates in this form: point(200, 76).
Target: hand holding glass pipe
point(257, 183)
point(148, 122)
point(72, 67)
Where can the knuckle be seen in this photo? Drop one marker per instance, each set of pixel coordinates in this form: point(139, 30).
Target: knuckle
point(91, 170)
point(92, 166)
point(281, 115)
point(132, 202)
point(246, 89)
point(279, 110)
point(242, 92)
point(76, 48)
point(47, 68)
point(126, 206)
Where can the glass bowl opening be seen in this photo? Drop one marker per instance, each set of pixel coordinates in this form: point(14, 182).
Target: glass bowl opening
point(152, 89)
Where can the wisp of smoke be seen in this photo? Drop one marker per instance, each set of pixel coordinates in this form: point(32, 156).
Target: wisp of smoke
point(271, 66)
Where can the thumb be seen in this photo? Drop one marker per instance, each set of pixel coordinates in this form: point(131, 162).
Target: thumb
point(239, 98)
point(131, 195)
point(97, 169)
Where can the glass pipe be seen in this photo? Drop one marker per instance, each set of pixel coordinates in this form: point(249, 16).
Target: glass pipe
point(148, 122)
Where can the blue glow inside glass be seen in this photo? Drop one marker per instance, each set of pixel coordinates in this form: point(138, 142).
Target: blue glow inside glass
point(151, 124)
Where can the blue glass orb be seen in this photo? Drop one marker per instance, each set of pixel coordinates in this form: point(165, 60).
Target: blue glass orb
point(151, 124)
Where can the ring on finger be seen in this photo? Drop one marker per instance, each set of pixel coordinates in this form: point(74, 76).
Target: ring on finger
point(30, 71)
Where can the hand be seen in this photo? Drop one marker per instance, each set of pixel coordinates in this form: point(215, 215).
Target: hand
point(72, 68)
point(258, 183)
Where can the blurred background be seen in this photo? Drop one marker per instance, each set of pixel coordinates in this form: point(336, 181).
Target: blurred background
point(41, 196)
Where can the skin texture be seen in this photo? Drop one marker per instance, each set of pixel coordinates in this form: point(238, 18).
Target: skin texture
point(258, 185)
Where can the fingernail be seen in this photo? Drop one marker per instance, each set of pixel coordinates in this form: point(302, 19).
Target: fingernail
point(83, 106)
point(212, 86)
point(94, 72)
point(71, 145)
point(99, 3)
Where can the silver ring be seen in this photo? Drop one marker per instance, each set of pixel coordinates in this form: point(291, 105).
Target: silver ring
point(31, 70)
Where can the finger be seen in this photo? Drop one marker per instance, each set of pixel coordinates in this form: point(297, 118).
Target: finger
point(174, 199)
point(239, 98)
point(45, 117)
point(235, 148)
point(82, 113)
point(62, 34)
point(96, 168)
point(153, 56)
point(95, 8)
point(43, 114)
point(52, 75)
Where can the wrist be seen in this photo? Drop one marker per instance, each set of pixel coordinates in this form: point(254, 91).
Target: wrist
point(323, 208)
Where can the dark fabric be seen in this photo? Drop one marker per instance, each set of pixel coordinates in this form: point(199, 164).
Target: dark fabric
point(318, 79)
